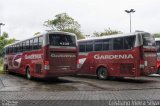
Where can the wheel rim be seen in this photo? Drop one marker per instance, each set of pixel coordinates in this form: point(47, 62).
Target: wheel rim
point(28, 74)
point(102, 73)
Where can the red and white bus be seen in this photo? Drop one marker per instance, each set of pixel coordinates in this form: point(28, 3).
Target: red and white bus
point(126, 55)
point(158, 54)
point(52, 54)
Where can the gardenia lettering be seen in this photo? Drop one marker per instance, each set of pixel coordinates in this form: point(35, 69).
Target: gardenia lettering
point(123, 56)
point(67, 55)
point(33, 56)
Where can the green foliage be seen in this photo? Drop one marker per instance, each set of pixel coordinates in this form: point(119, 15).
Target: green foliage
point(4, 41)
point(1, 68)
point(63, 22)
point(37, 33)
point(157, 35)
point(75, 31)
point(106, 32)
point(1, 65)
point(1, 61)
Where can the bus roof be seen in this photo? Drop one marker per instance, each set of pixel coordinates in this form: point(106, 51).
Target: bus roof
point(110, 36)
point(45, 33)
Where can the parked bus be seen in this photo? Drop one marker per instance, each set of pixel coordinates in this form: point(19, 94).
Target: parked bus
point(52, 54)
point(158, 54)
point(125, 55)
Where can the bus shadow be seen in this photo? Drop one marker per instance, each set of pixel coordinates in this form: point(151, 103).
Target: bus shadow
point(125, 79)
point(135, 80)
point(52, 80)
point(44, 81)
point(86, 76)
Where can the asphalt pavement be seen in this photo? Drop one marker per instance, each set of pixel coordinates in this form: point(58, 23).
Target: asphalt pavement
point(77, 90)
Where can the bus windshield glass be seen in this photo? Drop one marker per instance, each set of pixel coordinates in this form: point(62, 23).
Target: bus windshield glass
point(62, 40)
point(148, 40)
point(158, 47)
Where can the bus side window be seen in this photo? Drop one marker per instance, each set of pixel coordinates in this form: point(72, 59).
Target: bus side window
point(106, 44)
point(27, 45)
point(24, 46)
point(35, 44)
point(129, 42)
point(10, 49)
point(118, 44)
point(89, 46)
point(82, 47)
point(31, 44)
point(158, 46)
point(40, 42)
point(98, 45)
point(14, 49)
point(7, 50)
point(20, 47)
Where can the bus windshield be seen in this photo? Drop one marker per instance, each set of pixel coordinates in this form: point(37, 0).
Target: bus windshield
point(158, 47)
point(148, 40)
point(62, 40)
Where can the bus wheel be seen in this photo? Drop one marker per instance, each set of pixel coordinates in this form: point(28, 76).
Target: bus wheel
point(102, 73)
point(158, 70)
point(5, 68)
point(28, 74)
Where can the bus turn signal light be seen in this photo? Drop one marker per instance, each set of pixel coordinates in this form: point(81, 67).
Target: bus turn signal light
point(46, 62)
point(46, 65)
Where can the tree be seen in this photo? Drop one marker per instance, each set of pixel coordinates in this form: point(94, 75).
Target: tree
point(4, 41)
point(157, 35)
point(106, 32)
point(37, 33)
point(63, 22)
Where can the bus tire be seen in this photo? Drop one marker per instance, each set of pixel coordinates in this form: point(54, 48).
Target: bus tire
point(28, 73)
point(158, 70)
point(5, 68)
point(102, 73)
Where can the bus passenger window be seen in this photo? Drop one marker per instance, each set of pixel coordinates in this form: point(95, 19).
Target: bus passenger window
point(117, 43)
point(31, 44)
point(35, 44)
point(40, 42)
point(129, 42)
point(81, 48)
point(27, 45)
point(24, 46)
point(89, 47)
point(106, 44)
point(98, 46)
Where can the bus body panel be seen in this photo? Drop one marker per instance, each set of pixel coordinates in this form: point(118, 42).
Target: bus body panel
point(132, 62)
point(37, 60)
point(115, 66)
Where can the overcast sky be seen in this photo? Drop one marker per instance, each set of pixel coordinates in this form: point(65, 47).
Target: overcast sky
point(23, 18)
